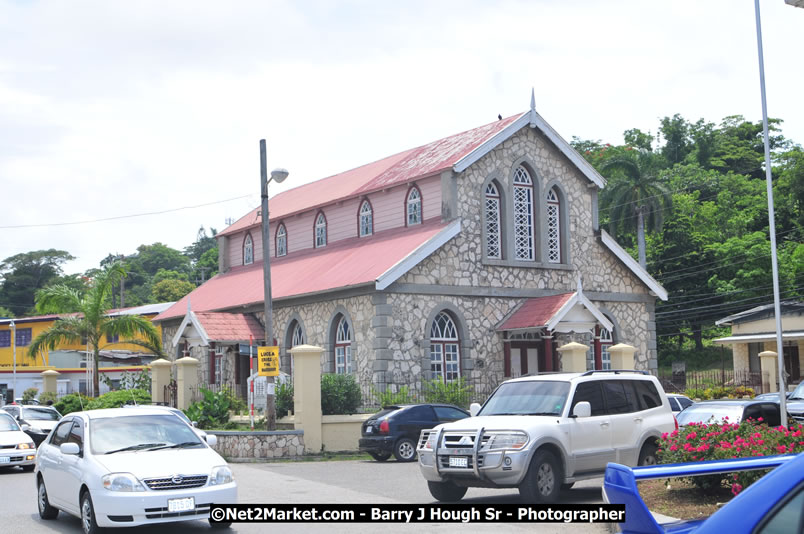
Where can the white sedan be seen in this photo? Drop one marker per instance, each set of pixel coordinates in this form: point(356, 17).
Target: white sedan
point(16, 447)
point(129, 467)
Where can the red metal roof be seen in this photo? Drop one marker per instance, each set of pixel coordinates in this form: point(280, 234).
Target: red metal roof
point(230, 326)
point(350, 262)
point(400, 168)
point(535, 312)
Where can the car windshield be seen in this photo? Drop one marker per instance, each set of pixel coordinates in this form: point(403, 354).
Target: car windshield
point(798, 393)
point(40, 414)
point(140, 432)
point(532, 397)
point(8, 423)
point(710, 414)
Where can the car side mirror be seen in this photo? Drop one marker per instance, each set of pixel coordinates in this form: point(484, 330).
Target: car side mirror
point(474, 409)
point(582, 409)
point(70, 448)
point(212, 440)
point(25, 428)
point(195, 424)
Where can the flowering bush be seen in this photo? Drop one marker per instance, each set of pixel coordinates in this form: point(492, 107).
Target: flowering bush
point(727, 392)
point(721, 441)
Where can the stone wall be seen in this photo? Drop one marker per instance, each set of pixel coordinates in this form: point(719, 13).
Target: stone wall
point(254, 445)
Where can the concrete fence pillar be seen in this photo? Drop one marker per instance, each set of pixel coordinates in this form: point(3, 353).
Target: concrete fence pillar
point(160, 377)
point(49, 378)
point(573, 357)
point(767, 363)
point(307, 395)
point(186, 381)
point(622, 356)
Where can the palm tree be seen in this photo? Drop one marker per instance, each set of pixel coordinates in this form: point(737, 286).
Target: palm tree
point(638, 199)
point(88, 319)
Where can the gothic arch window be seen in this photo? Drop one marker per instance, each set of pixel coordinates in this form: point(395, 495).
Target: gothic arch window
point(554, 226)
point(281, 247)
point(320, 230)
point(492, 222)
point(365, 219)
point(297, 335)
point(413, 205)
point(523, 215)
point(248, 250)
point(343, 346)
point(445, 352)
point(606, 341)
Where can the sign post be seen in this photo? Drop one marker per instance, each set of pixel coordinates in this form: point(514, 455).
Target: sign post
point(251, 376)
point(268, 361)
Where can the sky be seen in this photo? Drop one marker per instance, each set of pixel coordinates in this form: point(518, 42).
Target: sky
point(130, 123)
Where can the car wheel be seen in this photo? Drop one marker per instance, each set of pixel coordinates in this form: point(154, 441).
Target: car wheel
point(542, 483)
point(219, 526)
point(380, 456)
point(88, 522)
point(405, 450)
point(28, 468)
point(446, 491)
point(45, 510)
point(647, 456)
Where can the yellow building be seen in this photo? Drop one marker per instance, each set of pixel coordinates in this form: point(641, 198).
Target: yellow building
point(68, 359)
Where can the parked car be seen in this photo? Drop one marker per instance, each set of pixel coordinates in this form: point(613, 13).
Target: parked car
point(125, 467)
point(678, 402)
point(395, 429)
point(40, 420)
point(773, 504)
point(794, 402)
point(732, 411)
point(16, 447)
point(771, 396)
point(542, 433)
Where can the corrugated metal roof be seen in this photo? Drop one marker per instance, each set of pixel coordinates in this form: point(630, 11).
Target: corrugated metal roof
point(535, 312)
point(347, 263)
point(401, 168)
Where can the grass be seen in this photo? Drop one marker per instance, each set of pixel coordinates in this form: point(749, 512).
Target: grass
point(682, 500)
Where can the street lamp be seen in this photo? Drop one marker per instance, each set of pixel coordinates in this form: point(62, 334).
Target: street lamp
point(14, 344)
point(278, 176)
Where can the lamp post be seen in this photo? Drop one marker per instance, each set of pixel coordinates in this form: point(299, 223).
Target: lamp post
point(14, 345)
point(278, 176)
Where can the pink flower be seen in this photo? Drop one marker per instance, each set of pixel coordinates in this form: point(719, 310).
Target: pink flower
point(782, 449)
point(725, 445)
point(664, 435)
point(673, 447)
point(736, 488)
point(691, 435)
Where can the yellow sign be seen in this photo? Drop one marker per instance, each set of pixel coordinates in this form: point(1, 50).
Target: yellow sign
point(268, 361)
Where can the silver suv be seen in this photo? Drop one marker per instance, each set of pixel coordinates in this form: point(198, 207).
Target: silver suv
point(542, 433)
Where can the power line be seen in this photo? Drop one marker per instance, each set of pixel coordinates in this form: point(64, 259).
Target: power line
point(710, 296)
point(89, 221)
point(722, 305)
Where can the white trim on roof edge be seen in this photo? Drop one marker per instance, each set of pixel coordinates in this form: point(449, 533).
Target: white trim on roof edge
point(422, 251)
point(534, 120)
point(191, 319)
point(632, 264)
point(578, 298)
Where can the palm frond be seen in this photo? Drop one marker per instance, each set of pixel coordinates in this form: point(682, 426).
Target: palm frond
point(130, 326)
point(62, 332)
point(58, 299)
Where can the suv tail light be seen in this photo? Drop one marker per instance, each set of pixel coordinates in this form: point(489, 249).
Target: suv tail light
point(384, 427)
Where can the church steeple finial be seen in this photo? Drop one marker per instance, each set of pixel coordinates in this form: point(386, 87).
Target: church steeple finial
point(532, 99)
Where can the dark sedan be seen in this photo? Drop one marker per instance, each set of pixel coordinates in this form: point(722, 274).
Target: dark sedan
point(395, 429)
point(40, 420)
point(731, 411)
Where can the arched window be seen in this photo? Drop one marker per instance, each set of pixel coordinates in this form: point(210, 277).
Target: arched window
point(523, 215)
point(606, 340)
point(414, 206)
point(553, 226)
point(281, 248)
point(492, 214)
point(320, 230)
point(445, 355)
point(343, 347)
point(366, 219)
point(248, 250)
point(297, 337)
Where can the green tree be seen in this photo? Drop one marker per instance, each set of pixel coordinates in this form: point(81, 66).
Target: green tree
point(677, 144)
point(92, 323)
point(6, 313)
point(170, 290)
point(637, 199)
point(639, 139)
point(24, 274)
point(207, 266)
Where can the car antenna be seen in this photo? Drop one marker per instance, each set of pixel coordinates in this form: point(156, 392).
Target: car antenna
point(132, 397)
point(80, 401)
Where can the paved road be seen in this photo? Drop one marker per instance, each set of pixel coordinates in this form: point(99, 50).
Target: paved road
point(351, 481)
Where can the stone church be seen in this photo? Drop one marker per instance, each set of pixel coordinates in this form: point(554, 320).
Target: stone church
point(475, 256)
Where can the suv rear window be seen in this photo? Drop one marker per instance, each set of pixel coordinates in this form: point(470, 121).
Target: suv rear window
point(647, 394)
point(620, 397)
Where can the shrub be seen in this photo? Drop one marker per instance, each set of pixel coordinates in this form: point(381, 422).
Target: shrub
point(116, 399)
point(457, 392)
point(29, 394)
point(340, 394)
point(699, 442)
point(212, 410)
point(74, 402)
point(392, 398)
point(236, 404)
point(284, 399)
point(48, 397)
point(730, 392)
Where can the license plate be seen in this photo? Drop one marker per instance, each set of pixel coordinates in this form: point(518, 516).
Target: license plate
point(5, 460)
point(181, 505)
point(369, 430)
point(458, 461)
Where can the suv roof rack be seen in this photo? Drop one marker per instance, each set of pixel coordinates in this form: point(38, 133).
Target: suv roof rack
point(615, 371)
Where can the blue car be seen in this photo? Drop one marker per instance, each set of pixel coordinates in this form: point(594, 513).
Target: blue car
point(772, 505)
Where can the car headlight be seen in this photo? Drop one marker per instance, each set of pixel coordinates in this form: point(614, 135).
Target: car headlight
point(122, 482)
point(28, 445)
point(220, 475)
point(505, 440)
